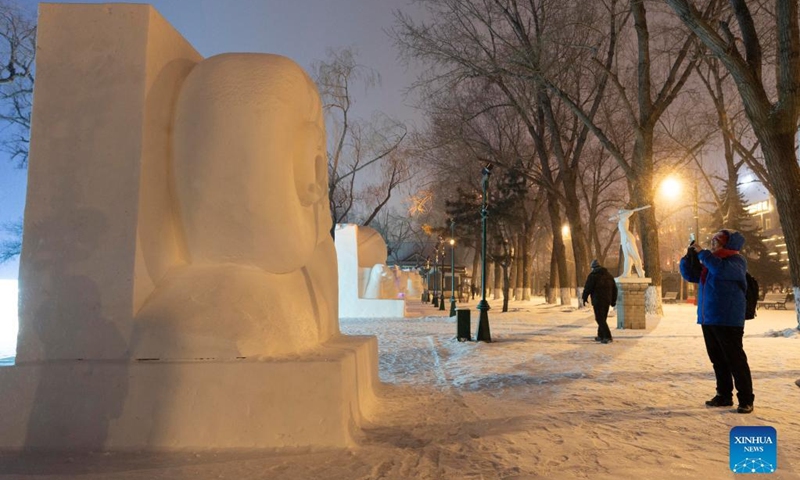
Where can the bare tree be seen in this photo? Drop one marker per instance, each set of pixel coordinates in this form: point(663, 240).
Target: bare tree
point(602, 189)
point(394, 170)
point(773, 116)
point(641, 112)
point(471, 126)
point(11, 247)
point(402, 234)
point(503, 46)
point(17, 50)
point(357, 148)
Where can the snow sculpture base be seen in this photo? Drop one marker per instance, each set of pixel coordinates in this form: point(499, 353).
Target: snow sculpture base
point(315, 400)
point(631, 302)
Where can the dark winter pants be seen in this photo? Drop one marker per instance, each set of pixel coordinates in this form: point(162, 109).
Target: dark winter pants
point(725, 350)
point(601, 317)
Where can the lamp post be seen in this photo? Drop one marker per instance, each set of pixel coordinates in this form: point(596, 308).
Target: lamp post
point(696, 228)
point(671, 188)
point(433, 284)
point(426, 294)
point(441, 271)
point(696, 211)
point(484, 335)
point(452, 267)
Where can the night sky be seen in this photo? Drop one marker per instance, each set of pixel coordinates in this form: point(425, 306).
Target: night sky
point(299, 29)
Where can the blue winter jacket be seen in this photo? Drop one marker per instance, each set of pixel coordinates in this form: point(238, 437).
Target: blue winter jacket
point(721, 298)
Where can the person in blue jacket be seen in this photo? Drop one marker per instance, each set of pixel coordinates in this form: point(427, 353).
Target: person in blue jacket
point(720, 274)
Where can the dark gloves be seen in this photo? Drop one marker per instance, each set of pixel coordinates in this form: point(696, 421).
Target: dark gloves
point(693, 262)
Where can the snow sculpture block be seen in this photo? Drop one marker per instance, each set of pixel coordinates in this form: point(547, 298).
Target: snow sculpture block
point(178, 282)
point(367, 288)
point(98, 227)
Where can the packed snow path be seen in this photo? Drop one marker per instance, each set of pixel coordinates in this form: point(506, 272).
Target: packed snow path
point(542, 401)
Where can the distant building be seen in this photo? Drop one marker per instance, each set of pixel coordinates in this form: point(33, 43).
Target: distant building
point(766, 216)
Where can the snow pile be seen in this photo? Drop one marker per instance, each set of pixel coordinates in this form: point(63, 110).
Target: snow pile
point(786, 332)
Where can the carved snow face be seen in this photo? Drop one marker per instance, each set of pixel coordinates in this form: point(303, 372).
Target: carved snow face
point(249, 163)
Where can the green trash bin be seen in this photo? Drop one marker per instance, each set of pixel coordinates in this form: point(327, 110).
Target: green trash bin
point(463, 325)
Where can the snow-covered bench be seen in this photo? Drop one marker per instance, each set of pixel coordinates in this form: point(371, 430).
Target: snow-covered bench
point(774, 300)
point(670, 297)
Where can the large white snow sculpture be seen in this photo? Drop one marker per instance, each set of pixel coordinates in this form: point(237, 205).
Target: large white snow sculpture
point(367, 288)
point(178, 281)
point(250, 179)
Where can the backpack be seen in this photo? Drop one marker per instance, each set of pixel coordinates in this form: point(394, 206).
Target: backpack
point(751, 297)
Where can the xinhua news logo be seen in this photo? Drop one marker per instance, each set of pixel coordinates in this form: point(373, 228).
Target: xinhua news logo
point(754, 449)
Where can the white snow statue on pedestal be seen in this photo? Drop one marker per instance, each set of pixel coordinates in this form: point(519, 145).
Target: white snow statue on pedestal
point(367, 287)
point(627, 240)
point(260, 276)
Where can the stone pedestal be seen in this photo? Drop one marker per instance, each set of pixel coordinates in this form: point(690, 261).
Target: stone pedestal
point(631, 302)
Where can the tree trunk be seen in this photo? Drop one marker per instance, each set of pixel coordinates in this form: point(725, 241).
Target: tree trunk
point(526, 266)
point(580, 249)
point(642, 194)
point(572, 205)
point(550, 292)
point(498, 281)
point(506, 285)
point(476, 270)
point(775, 125)
point(784, 171)
point(559, 249)
point(516, 280)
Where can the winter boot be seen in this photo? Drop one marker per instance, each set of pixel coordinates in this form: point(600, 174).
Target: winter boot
point(745, 403)
point(718, 401)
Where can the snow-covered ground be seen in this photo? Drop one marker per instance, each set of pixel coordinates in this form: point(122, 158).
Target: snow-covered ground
point(542, 401)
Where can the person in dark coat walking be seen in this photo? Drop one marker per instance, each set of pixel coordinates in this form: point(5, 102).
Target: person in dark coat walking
point(721, 278)
point(601, 286)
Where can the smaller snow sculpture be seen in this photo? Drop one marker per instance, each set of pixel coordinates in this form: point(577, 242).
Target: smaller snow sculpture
point(367, 287)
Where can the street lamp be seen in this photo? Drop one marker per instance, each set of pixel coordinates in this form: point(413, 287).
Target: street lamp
point(484, 335)
point(696, 210)
point(433, 284)
point(671, 187)
point(426, 294)
point(441, 294)
point(696, 231)
point(452, 267)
